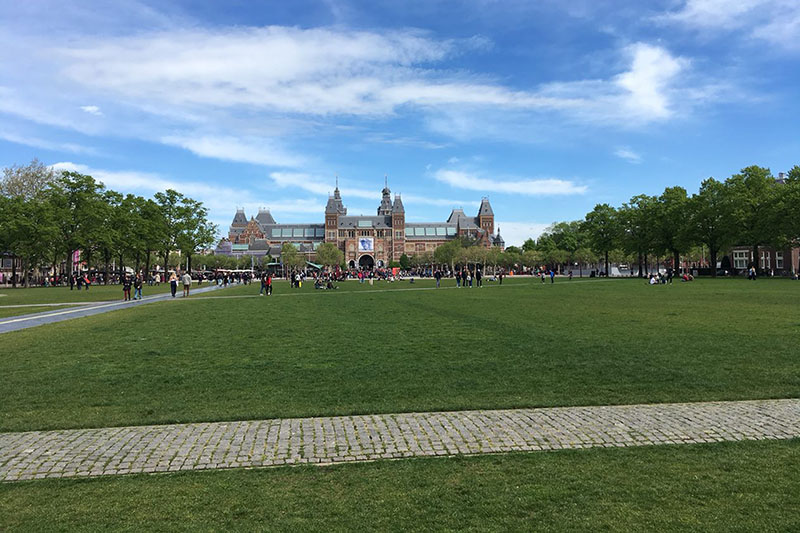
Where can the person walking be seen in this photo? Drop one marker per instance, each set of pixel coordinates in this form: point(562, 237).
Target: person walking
point(438, 276)
point(137, 288)
point(479, 278)
point(126, 288)
point(263, 284)
point(186, 279)
point(552, 276)
point(173, 284)
point(269, 284)
point(458, 278)
point(500, 276)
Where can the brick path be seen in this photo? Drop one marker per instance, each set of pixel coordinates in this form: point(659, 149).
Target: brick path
point(95, 452)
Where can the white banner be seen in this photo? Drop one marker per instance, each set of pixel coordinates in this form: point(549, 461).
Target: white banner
point(366, 244)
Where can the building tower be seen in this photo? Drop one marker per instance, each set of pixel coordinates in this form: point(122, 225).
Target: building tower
point(398, 228)
point(385, 208)
point(486, 216)
point(333, 210)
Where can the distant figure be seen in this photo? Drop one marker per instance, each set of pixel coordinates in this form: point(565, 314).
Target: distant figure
point(137, 288)
point(187, 283)
point(479, 278)
point(751, 273)
point(570, 275)
point(173, 284)
point(126, 288)
point(552, 276)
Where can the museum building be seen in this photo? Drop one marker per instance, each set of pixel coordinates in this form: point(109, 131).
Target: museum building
point(367, 241)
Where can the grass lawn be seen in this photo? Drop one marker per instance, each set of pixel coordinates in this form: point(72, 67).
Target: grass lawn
point(748, 486)
point(47, 295)
point(363, 349)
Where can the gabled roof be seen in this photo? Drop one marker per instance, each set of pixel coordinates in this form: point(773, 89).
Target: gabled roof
point(239, 219)
point(486, 208)
point(397, 207)
point(265, 217)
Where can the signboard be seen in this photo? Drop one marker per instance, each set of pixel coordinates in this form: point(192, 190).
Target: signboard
point(366, 244)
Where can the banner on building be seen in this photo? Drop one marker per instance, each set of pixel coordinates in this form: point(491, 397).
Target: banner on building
point(366, 244)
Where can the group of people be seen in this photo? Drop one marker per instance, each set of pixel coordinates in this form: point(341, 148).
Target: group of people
point(136, 283)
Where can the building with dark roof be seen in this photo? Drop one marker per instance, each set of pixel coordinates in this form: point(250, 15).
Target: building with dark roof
point(366, 241)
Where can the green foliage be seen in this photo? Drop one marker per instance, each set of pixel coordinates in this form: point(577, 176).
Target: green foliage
point(405, 262)
point(329, 254)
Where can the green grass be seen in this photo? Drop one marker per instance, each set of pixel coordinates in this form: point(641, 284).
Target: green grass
point(363, 349)
point(748, 486)
point(47, 295)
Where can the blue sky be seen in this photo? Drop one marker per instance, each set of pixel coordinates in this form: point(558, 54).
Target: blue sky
point(545, 107)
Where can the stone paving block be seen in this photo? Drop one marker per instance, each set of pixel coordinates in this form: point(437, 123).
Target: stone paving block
point(328, 440)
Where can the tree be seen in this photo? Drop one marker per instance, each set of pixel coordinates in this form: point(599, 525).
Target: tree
point(405, 262)
point(291, 258)
point(78, 204)
point(169, 222)
point(603, 229)
point(711, 218)
point(329, 254)
point(671, 223)
point(196, 232)
point(636, 227)
point(755, 208)
point(26, 181)
point(448, 253)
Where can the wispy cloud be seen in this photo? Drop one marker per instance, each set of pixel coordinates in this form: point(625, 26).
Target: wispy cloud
point(525, 186)
point(624, 152)
point(37, 142)
point(516, 233)
point(774, 21)
point(92, 110)
point(259, 151)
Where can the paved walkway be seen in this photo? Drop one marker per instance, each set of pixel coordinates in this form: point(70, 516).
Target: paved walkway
point(96, 452)
point(84, 309)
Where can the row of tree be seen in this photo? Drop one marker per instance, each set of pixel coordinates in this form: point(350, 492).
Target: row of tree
point(46, 216)
point(750, 208)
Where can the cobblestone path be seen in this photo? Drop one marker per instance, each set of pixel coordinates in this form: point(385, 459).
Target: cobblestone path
point(325, 440)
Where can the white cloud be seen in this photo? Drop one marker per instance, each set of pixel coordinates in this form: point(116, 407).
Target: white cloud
point(623, 152)
point(92, 110)
point(516, 233)
point(220, 200)
point(320, 185)
point(37, 142)
point(529, 187)
point(774, 21)
point(244, 150)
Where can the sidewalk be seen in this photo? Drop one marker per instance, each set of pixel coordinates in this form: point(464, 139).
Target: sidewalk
point(326, 440)
point(85, 309)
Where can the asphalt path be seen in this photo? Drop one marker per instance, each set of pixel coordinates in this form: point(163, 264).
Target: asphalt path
point(88, 309)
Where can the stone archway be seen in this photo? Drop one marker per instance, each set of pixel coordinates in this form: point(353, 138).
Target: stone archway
point(352, 264)
point(366, 261)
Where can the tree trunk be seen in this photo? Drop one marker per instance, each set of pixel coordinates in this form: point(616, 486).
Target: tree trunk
point(756, 263)
point(676, 259)
point(106, 259)
point(713, 263)
point(166, 258)
point(147, 266)
point(640, 274)
point(189, 263)
point(646, 267)
point(606, 263)
point(14, 271)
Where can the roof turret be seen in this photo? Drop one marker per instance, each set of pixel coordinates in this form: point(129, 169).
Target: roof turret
point(397, 206)
point(239, 219)
point(264, 217)
point(486, 208)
